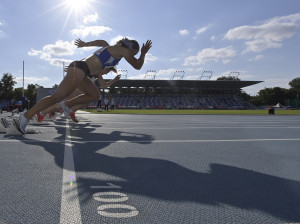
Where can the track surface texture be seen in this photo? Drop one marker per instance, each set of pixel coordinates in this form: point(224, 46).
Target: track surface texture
point(153, 169)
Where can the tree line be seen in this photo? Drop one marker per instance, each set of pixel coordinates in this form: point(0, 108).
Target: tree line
point(272, 96)
point(8, 92)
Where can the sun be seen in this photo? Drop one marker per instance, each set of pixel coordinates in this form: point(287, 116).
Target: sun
point(77, 5)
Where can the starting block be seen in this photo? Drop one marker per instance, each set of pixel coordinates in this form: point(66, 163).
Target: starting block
point(10, 128)
point(3, 125)
point(13, 128)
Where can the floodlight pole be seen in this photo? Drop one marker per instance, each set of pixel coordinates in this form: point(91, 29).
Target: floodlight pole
point(148, 75)
point(63, 69)
point(23, 80)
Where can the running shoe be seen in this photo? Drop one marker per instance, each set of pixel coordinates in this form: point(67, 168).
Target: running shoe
point(65, 109)
point(23, 123)
point(72, 115)
point(40, 117)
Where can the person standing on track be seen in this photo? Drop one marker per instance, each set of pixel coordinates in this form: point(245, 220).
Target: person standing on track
point(106, 103)
point(99, 102)
point(112, 104)
point(78, 71)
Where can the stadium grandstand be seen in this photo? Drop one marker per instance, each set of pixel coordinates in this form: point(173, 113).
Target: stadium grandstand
point(176, 93)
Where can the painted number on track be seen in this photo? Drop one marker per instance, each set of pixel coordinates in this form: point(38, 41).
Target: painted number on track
point(112, 210)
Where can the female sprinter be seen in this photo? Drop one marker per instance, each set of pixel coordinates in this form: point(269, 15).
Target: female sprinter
point(71, 113)
point(78, 72)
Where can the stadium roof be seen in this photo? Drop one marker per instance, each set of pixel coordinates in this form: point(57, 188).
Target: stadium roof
point(201, 84)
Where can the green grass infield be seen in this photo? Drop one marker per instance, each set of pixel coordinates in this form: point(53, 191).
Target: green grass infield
point(204, 112)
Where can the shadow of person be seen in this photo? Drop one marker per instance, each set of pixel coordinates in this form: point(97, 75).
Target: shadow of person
point(166, 180)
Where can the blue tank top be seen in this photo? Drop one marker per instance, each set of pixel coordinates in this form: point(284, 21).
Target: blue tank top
point(106, 58)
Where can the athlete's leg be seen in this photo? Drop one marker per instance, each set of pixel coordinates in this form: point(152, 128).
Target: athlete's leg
point(53, 108)
point(91, 94)
point(56, 107)
point(72, 80)
point(80, 106)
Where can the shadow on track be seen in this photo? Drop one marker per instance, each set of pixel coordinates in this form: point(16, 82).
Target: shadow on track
point(167, 180)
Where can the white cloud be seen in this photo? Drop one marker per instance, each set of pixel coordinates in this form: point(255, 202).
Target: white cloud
point(212, 38)
point(201, 30)
point(150, 57)
point(170, 71)
point(90, 18)
point(50, 52)
point(2, 34)
point(183, 32)
point(211, 54)
point(165, 74)
point(140, 76)
point(192, 70)
point(59, 61)
point(33, 52)
point(85, 31)
point(226, 61)
point(60, 48)
point(267, 35)
point(114, 40)
point(30, 80)
point(256, 58)
point(174, 59)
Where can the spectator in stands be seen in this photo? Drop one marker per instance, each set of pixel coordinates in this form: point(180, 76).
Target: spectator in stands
point(106, 104)
point(112, 104)
point(78, 74)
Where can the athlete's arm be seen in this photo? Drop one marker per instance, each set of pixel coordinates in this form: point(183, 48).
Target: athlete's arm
point(95, 43)
point(105, 71)
point(104, 84)
point(138, 63)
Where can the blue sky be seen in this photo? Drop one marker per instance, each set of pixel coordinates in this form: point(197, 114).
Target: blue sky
point(258, 38)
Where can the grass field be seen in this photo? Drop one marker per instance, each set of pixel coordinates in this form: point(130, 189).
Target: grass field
point(209, 112)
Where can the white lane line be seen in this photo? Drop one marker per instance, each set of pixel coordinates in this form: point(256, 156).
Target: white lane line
point(192, 141)
point(200, 127)
point(70, 208)
point(171, 141)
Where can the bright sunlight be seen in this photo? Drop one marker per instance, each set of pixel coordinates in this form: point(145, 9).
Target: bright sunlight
point(77, 5)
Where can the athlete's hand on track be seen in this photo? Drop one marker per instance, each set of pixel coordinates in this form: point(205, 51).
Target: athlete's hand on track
point(79, 43)
point(146, 47)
